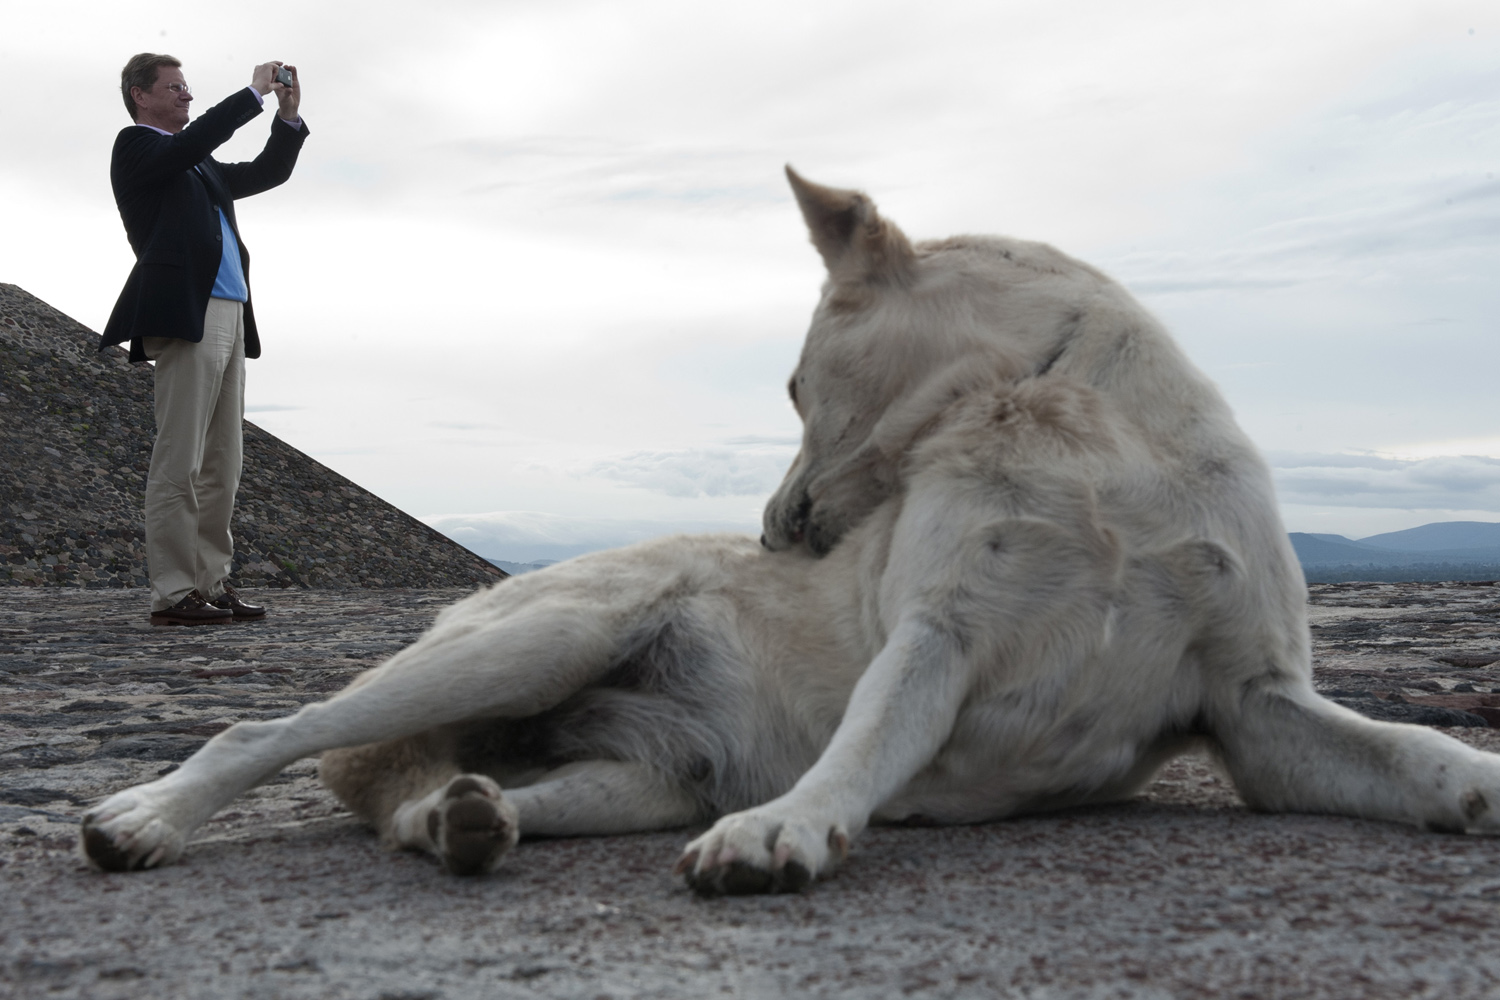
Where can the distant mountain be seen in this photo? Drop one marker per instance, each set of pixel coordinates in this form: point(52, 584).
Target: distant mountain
point(1318, 550)
point(1439, 536)
point(1447, 550)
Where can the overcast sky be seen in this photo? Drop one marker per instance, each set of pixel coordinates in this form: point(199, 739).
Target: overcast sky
point(538, 280)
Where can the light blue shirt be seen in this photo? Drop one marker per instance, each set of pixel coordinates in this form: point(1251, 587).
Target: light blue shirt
point(230, 282)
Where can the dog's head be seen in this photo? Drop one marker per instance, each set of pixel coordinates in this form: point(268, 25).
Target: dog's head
point(899, 334)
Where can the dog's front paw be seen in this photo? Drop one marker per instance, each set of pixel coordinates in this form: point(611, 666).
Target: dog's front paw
point(472, 826)
point(129, 831)
point(762, 850)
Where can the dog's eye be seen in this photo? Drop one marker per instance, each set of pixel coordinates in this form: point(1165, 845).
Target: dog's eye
point(791, 389)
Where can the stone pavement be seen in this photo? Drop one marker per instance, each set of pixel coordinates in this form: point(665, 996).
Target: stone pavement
point(1181, 893)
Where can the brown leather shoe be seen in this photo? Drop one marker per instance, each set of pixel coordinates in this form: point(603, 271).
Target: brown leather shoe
point(230, 601)
point(191, 610)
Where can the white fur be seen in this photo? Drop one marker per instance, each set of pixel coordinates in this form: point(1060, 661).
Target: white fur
point(1023, 557)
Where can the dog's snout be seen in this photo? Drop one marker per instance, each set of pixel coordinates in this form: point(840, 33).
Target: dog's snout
point(786, 522)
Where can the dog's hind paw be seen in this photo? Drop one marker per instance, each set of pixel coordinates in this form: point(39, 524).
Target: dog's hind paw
point(472, 826)
point(1474, 815)
point(758, 851)
point(126, 832)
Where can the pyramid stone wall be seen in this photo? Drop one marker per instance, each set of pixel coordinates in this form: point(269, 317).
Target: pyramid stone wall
point(76, 428)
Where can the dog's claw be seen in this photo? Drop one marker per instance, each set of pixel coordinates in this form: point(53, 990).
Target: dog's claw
point(131, 831)
point(743, 879)
point(794, 877)
point(838, 842)
point(759, 851)
point(102, 851)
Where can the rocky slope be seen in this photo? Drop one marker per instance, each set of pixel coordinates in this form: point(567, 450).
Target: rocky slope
point(76, 428)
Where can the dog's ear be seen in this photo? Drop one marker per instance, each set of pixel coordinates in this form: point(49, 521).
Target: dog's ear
point(855, 242)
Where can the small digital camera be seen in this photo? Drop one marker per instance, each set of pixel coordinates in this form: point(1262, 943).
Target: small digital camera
point(283, 76)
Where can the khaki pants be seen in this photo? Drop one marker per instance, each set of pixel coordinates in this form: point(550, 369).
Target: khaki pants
point(195, 463)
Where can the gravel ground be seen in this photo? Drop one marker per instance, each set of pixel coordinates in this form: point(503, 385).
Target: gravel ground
point(1181, 893)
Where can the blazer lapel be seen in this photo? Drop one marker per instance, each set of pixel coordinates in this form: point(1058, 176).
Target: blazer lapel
point(218, 192)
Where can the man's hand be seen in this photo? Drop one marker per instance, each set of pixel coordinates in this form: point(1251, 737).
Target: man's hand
point(262, 76)
point(289, 97)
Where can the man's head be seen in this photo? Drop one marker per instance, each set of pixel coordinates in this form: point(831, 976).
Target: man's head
point(155, 92)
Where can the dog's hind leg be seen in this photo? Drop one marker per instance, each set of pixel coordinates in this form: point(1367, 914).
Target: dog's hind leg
point(373, 780)
point(413, 791)
point(594, 797)
point(469, 825)
point(1290, 750)
point(513, 651)
point(149, 824)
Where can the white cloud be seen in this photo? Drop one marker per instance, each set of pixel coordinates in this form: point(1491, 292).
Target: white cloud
point(700, 472)
point(530, 536)
point(1489, 446)
point(1399, 178)
point(1451, 482)
point(1453, 224)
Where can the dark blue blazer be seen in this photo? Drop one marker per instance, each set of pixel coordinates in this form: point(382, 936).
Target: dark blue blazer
point(168, 210)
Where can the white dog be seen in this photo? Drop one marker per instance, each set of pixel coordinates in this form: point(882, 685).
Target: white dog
point(1023, 557)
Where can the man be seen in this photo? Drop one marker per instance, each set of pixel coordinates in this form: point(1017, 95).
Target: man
point(187, 305)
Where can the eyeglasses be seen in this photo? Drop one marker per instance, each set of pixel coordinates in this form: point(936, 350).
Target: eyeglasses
point(179, 88)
